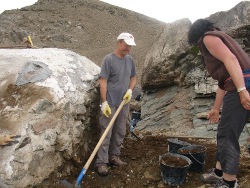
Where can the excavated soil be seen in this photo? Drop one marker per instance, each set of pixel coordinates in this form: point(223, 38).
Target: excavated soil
point(173, 162)
point(143, 169)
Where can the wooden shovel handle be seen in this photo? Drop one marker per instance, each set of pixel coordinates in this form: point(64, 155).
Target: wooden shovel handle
point(86, 166)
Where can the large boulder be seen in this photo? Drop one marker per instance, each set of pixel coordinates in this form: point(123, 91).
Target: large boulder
point(49, 98)
point(165, 64)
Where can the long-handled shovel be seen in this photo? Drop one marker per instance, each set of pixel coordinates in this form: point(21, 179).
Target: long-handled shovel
point(86, 166)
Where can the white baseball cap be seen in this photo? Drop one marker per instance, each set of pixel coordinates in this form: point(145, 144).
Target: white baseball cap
point(128, 38)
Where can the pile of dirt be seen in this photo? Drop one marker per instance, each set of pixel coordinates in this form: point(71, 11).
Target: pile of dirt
point(143, 169)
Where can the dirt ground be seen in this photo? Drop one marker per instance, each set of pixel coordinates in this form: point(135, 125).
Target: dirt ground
point(143, 169)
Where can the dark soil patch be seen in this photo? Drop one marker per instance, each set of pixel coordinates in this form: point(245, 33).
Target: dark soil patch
point(23, 97)
point(173, 161)
point(143, 169)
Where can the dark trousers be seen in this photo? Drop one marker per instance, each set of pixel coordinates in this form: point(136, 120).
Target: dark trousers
point(233, 119)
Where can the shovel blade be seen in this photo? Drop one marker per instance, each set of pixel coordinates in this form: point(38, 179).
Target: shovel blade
point(66, 184)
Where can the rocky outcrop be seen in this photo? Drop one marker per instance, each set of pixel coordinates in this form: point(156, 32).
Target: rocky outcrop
point(165, 64)
point(48, 98)
point(175, 84)
point(234, 21)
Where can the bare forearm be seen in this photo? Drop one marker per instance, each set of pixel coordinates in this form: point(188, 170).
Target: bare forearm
point(132, 83)
point(103, 89)
point(219, 99)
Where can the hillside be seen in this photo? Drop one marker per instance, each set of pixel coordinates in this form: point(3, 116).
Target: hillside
point(87, 27)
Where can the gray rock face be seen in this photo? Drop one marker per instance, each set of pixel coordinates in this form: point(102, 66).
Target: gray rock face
point(234, 19)
point(175, 83)
point(165, 64)
point(50, 115)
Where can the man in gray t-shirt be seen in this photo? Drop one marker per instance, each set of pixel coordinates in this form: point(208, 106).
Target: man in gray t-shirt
point(117, 80)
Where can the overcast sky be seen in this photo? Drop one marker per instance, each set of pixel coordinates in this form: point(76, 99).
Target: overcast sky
point(14, 4)
point(163, 10)
point(171, 10)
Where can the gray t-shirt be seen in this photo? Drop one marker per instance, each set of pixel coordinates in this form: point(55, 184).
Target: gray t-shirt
point(117, 71)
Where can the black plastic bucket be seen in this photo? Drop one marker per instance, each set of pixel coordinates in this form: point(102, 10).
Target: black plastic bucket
point(174, 144)
point(196, 154)
point(171, 173)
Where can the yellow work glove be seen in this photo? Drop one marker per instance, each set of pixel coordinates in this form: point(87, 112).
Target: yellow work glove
point(106, 109)
point(127, 96)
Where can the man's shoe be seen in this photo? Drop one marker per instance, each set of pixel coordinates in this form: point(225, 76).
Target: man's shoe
point(222, 184)
point(102, 170)
point(210, 177)
point(114, 160)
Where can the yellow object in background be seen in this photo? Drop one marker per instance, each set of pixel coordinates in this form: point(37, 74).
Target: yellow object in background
point(30, 41)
